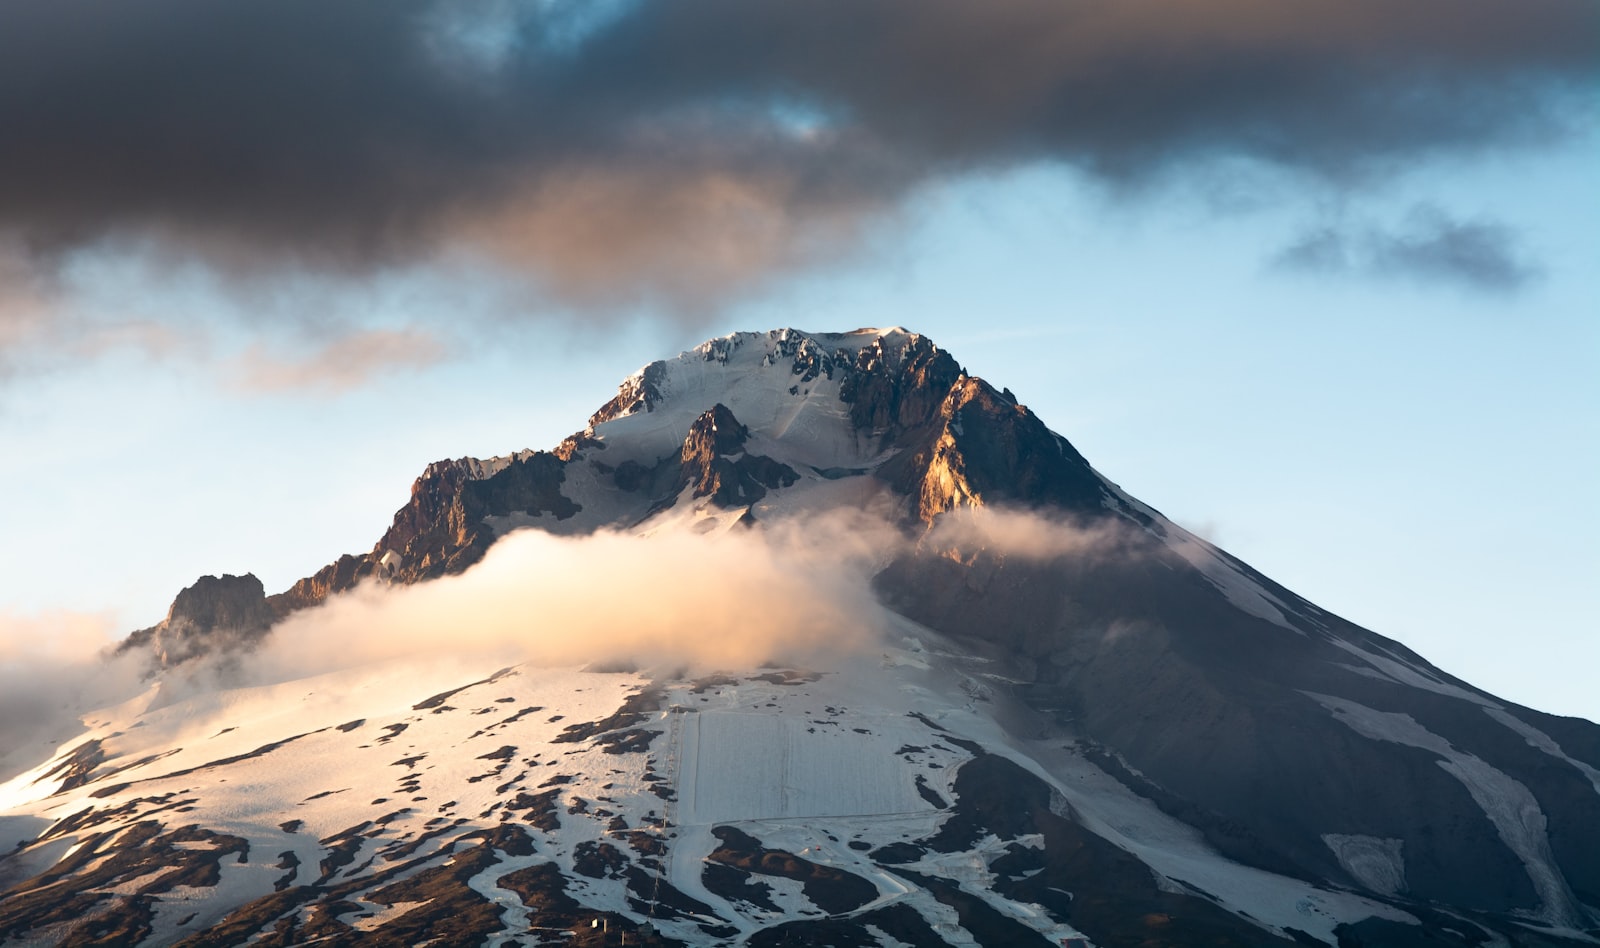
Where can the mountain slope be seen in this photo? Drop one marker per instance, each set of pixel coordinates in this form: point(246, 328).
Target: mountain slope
point(1075, 719)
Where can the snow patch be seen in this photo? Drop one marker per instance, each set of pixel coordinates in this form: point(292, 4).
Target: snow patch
point(1405, 673)
point(1543, 742)
point(1509, 805)
point(1376, 863)
point(778, 767)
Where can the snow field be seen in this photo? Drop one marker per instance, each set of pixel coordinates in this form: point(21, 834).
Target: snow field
point(783, 762)
point(781, 767)
point(745, 370)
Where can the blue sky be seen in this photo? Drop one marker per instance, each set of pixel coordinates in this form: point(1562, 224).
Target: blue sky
point(1369, 366)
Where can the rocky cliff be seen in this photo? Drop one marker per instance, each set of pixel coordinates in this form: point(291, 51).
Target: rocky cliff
point(217, 612)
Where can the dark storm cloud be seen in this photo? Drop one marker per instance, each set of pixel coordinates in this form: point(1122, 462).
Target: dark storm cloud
point(682, 150)
point(1428, 246)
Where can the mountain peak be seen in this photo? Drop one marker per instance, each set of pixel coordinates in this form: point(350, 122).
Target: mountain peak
point(715, 464)
point(729, 422)
point(805, 355)
point(715, 433)
point(1075, 722)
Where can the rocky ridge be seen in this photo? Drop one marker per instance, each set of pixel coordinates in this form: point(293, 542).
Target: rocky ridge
point(951, 440)
point(216, 612)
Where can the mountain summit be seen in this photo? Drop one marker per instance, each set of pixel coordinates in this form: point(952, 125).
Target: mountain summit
point(810, 408)
point(1059, 718)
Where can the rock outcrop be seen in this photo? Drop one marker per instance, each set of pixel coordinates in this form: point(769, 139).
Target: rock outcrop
point(443, 529)
point(894, 388)
point(715, 464)
point(216, 613)
point(977, 446)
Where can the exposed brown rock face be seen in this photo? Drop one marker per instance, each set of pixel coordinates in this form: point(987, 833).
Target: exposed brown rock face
point(571, 446)
point(233, 602)
point(340, 574)
point(442, 529)
point(715, 462)
point(893, 388)
point(715, 433)
point(979, 447)
point(216, 611)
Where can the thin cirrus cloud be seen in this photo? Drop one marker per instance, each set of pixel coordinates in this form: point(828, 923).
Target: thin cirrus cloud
point(341, 364)
point(1429, 246)
point(679, 153)
point(36, 332)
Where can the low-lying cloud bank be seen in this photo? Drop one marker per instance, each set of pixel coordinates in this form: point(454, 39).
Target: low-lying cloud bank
point(671, 599)
point(54, 667)
point(794, 591)
point(734, 599)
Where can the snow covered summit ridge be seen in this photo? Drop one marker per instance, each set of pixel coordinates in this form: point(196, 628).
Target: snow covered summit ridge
point(786, 384)
point(825, 419)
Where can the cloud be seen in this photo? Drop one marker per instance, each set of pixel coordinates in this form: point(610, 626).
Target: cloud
point(1428, 246)
point(312, 336)
point(52, 669)
point(678, 236)
point(1434, 246)
point(794, 591)
point(1027, 535)
point(726, 600)
point(40, 332)
point(678, 153)
point(339, 365)
point(26, 299)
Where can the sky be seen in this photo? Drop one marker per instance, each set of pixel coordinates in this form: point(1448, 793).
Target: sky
point(1319, 280)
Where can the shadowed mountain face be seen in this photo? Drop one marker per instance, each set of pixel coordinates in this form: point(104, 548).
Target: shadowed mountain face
point(1100, 726)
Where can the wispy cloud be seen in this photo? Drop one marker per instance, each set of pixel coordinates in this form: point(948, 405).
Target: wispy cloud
point(1028, 535)
point(40, 331)
point(339, 365)
point(1428, 246)
point(1433, 246)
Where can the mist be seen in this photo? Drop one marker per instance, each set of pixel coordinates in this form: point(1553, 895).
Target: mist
point(794, 591)
point(734, 599)
point(54, 667)
point(1026, 535)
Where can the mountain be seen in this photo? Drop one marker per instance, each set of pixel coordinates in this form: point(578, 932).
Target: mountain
point(936, 681)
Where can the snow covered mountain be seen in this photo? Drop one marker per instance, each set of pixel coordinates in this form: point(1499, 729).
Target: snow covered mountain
point(805, 639)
